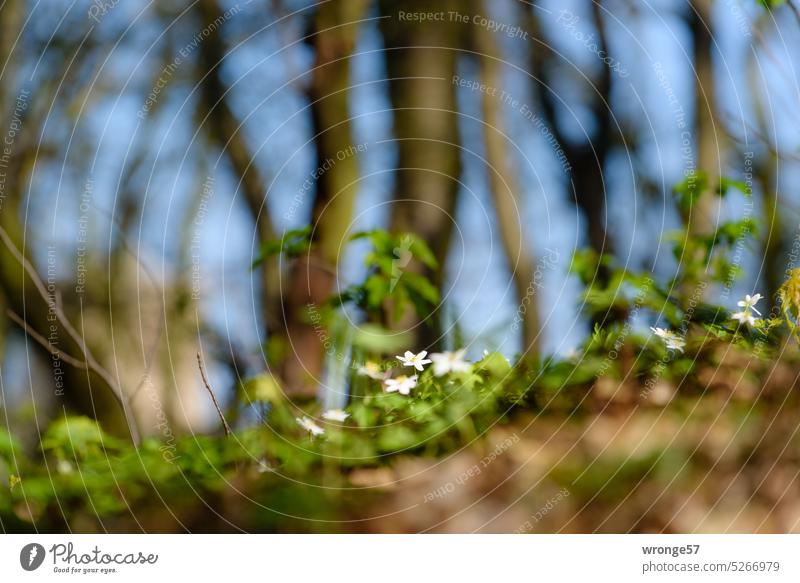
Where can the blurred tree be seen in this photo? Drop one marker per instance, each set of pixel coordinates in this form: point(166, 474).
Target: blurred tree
point(60, 63)
point(504, 186)
point(765, 165)
point(708, 133)
point(587, 156)
point(421, 61)
point(312, 278)
point(34, 301)
point(226, 133)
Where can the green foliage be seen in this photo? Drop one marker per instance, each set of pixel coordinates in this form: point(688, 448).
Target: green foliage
point(263, 388)
point(587, 264)
point(392, 283)
point(707, 256)
point(293, 243)
point(727, 184)
point(9, 446)
point(789, 295)
point(77, 438)
point(704, 260)
point(689, 191)
point(441, 414)
point(280, 450)
point(376, 339)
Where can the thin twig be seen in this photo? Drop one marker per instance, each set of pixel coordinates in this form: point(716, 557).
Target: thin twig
point(71, 360)
point(54, 301)
point(211, 392)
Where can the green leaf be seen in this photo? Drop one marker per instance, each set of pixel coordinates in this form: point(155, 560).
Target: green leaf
point(688, 191)
point(9, 447)
point(78, 436)
point(587, 262)
point(495, 364)
point(727, 184)
point(421, 251)
point(293, 243)
point(374, 338)
point(420, 285)
point(377, 289)
point(396, 438)
point(263, 388)
point(401, 299)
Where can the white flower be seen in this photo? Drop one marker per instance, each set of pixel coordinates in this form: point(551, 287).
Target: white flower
point(661, 332)
point(445, 362)
point(310, 426)
point(264, 467)
point(416, 360)
point(371, 370)
point(745, 317)
point(749, 303)
point(676, 343)
point(64, 467)
point(671, 339)
point(401, 384)
point(335, 415)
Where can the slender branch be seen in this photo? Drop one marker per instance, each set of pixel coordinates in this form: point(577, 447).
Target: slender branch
point(211, 392)
point(51, 348)
point(768, 143)
point(91, 363)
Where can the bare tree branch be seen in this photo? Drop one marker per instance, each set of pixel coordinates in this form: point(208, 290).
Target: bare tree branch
point(225, 425)
point(91, 362)
point(71, 360)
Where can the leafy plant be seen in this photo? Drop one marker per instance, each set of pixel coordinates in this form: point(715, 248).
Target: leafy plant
point(293, 243)
point(391, 283)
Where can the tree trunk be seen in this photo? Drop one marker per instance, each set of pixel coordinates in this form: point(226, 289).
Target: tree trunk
point(226, 132)
point(703, 217)
point(765, 172)
point(504, 188)
point(421, 62)
point(312, 277)
point(586, 159)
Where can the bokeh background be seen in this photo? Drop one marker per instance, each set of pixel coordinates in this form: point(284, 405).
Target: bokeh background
point(152, 149)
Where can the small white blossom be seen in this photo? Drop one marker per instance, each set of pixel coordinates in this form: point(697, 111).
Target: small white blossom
point(745, 317)
point(335, 415)
point(661, 332)
point(418, 361)
point(64, 467)
point(749, 303)
point(445, 362)
point(263, 466)
point(371, 370)
point(671, 339)
point(676, 344)
point(401, 384)
point(310, 426)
